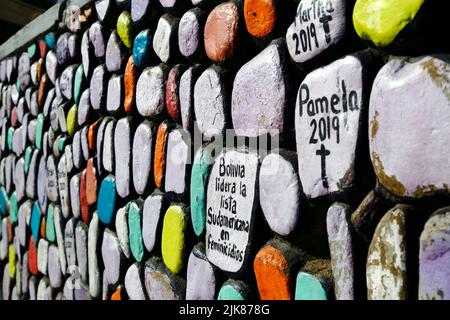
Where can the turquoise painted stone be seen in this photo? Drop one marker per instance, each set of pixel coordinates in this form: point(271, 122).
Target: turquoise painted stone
point(13, 208)
point(10, 137)
point(106, 202)
point(32, 50)
point(61, 143)
point(199, 178)
point(228, 292)
point(3, 202)
point(39, 131)
point(141, 48)
point(27, 159)
point(18, 86)
point(78, 84)
point(50, 224)
point(135, 231)
point(309, 287)
point(50, 40)
point(35, 222)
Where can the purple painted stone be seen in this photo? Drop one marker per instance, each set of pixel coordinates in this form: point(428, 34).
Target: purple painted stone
point(140, 9)
point(190, 33)
point(84, 108)
point(98, 87)
point(96, 35)
point(115, 94)
point(66, 81)
point(62, 48)
point(115, 53)
point(434, 257)
point(74, 46)
point(24, 71)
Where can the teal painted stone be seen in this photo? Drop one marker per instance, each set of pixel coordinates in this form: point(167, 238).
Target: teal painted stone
point(3, 202)
point(199, 178)
point(61, 143)
point(309, 287)
point(106, 202)
point(32, 50)
point(78, 84)
point(141, 48)
point(13, 208)
point(35, 222)
point(50, 224)
point(228, 292)
point(10, 137)
point(50, 40)
point(27, 159)
point(18, 86)
point(39, 131)
point(135, 231)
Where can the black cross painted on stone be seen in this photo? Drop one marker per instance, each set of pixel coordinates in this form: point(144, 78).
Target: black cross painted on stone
point(323, 153)
point(326, 27)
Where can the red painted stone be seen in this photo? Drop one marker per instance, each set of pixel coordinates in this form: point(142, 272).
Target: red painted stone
point(172, 97)
point(42, 48)
point(84, 207)
point(91, 182)
point(32, 257)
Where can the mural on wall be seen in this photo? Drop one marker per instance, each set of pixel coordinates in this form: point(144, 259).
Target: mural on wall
point(231, 150)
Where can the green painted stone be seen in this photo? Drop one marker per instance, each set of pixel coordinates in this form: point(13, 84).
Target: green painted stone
point(61, 143)
point(50, 40)
point(199, 179)
point(32, 50)
point(135, 231)
point(50, 224)
point(39, 131)
point(309, 287)
point(13, 208)
point(125, 29)
point(27, 159)
point(10, 137)
point(228, 292)
point(78, 84)
point(72, 120)
point(3, 202)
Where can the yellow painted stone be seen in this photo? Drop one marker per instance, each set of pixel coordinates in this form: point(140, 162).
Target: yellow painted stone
point(124, 29)
point(380, 21)
point(72, 120)
point(12, 261)
point(173, 238)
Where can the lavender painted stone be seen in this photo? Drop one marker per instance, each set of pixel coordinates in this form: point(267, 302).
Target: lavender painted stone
point(6, 283)
point(97, 38)
point(87, 54)
point(24, 215)
point(69, 245)
point(116, 53)
point(150, 91)
point(165, 37)
point(155, 207)
point(74, 46)
point(54, 267)
point(48, 102)
point(190, 33)
point(93, 254)
point(105, 9)
point(107, 153)
point(51, 66)
point(122, 156)
point(77, 153)
point(143, 148)
point(280, 191)
point(23, 71)
point(160, 283)
point(422, 85)
point(33, 73)
point(114, 98)
point(20, 179)
point(98, 88)
point(25, 275)
point(81, 245)
point(84, 108)
point(340, 240)
point(66, 81)
point(177, 162)
point(201, 277)
point(59, 229)
point(140, 9)
point(134, 282)
point(52, 179)
point(42, 184)
point(112, 257)
point(34, 106)
point(62, 49)
point(63, 186)
point(211, 104)
point(434, 257)
point(84, 143)
point(100, 142)
point(186, 96)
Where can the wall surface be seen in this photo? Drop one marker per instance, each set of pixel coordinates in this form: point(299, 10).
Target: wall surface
point(231, 150)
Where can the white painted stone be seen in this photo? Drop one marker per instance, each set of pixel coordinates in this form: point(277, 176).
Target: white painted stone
point(42, 184)
point(160, 283)
point(42, 290)
point(93, 254)
point(84, 108)
point(58, 221)
point(177, 159)
point(25, 274)
point(81, 238)
point(201, 279)
point(108, 146)
point(318, 25)
point(63, 187)
point(31, 177)
point(69, 158)
point(115, 93)
point(86, 53)
point(69, 285)
point(115, 53)
point(54, 267)
point(122, 156)
point(42, 256)
point(33, 73)
point(186, 96)
point(24, 212)
point(112, 256)
point(32, 286)
point(162, 37)
point(19, 179)
point(97, 39)
point(97, 87)
point(101, 7)
point(75, 195)
point(84, 142)
point(239, 174)
point(52, 179)
point(6, 283)
point(121, 225)
point(4, 240)
point(143, 156)
point(77, 153)
point(154, 208)
point(69, 245)
point(327, 141)
point(66, 81)
point(150, 91)
point(133, 283)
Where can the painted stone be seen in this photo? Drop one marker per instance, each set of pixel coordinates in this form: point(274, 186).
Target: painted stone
point(259, 103)
point(125, 28)
point(142, 48)
point(62, 49)
point(13, 208)
point(122, 155)
point(140, 9)
point(340, 240)
point(221, 32)
point(112, 257)
point(50, 224)
point(260, 17)
point(74, 187)
point(87, 54)
point(107, 154)
point(329, 119)
point(234, 290)
point(35, 222)
point(386, 269)
point(201, 278)
point(280, 191)
point(134, 282)
point(114, 98)
point(97, 38)
point(231, 194)
point(98, 88)
point(78, 84)
point(434, 257)
point(186, 96)
point(70, 245)
point(211, 104)
point(159, 163)
point(42, 256)
point(93, 254)
point(25, 275)
point(165, 37)
point(32, 260)
point(135, 229)
point(81, 245)
point(150, 91)
point(121, 225)
point(51, 65)
point(74, 46)
point(130, 79)
point(91, 182)
point(52, 179)
point(160, 283)
point(43, 88)
point(155, 206)
point(59, 229)
point(54, 268)
point(115, 53)
point(105, 10)
point(309, 288)
point(172, 89)
point(107, 200)
point(24, 71)
point(394, 87)
point(317, 26)
point(190, 33)
point(66, 82)
point(143, 147)
point(50, 40)
point(84, 108)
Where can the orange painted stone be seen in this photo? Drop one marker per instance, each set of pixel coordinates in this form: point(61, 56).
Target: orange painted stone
point(14, 116)
point(10, 229)
point(160, 152)
point(43, 228)
point(130, 79)
point(92, 133)
point(117, 295)
point(91, 182)
point(32, 257)
point(84, 207)
point(272, 274)
point(221, 32)
point(39, 69)
point(43, 88)
point(260, 17)
point(42, 48)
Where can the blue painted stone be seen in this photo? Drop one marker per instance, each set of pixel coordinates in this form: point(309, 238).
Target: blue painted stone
point(3, 202)
point(106, 203)
point(50, 40)
point(35, 223)
point(141, 48)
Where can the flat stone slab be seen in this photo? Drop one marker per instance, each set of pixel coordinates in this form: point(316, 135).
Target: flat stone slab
point(201, 276)
point(413, 83)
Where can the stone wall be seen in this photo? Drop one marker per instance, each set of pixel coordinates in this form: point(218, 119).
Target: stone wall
point(207, 149)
